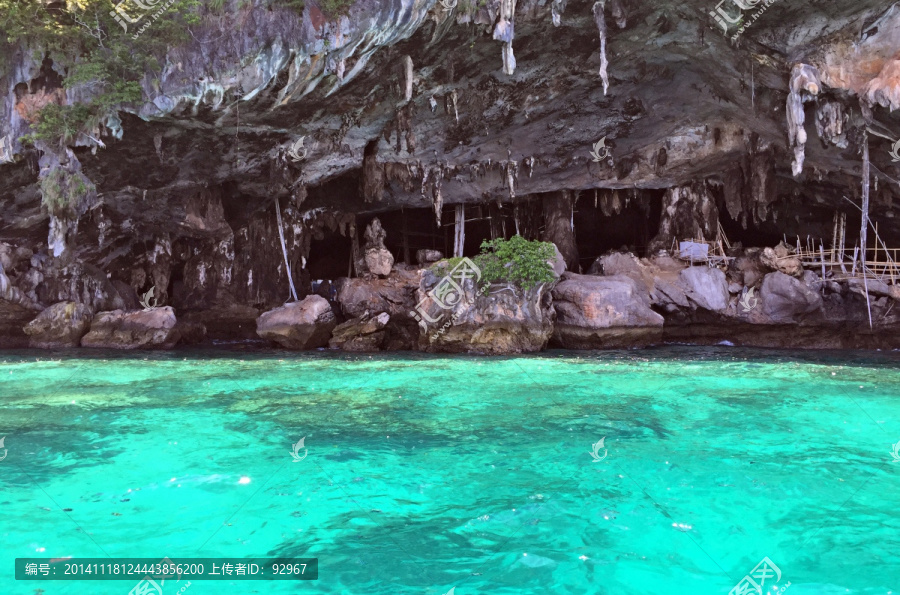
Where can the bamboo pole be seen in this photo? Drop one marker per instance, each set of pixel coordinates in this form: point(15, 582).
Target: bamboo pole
point(864, 226)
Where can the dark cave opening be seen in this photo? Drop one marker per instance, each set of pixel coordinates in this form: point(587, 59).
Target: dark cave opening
point(329, 256)
point(600, 229)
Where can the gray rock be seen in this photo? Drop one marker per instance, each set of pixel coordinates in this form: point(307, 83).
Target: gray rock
point(668, 293)
point(306, 324)
point(876, 287)
point(780, 259)
point(60, 325)
point(707, 287)
point(605, 311)
point(379, 261)
point(506, 320)
point(558, 263)
point(361, 334)
point(787, 299)
point(143, 329)
point(426, 257)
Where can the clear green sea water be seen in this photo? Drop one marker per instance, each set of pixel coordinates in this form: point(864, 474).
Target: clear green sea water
point(427, 473)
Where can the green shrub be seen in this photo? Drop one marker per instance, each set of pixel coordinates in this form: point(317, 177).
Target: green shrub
point(518, 261)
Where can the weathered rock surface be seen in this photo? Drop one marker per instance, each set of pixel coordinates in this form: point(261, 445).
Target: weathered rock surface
point(779, 259)
point(506, 320)
point(306, 324)
point(61, 325)
point(379, 261)
point(788, 299)
point(601, 312)
point(144, 329)
point(426, 257)
point(707, 287)
point(361, 334)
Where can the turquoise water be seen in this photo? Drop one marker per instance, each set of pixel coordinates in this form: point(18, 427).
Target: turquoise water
point(426, 473)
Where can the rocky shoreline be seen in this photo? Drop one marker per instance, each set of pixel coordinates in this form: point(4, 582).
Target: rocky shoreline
point(623, 302)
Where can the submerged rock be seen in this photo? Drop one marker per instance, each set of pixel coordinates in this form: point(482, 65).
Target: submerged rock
point(61, 325)
point(306, 324)
point(361, 334)
point(601, 312)
point(144, 329)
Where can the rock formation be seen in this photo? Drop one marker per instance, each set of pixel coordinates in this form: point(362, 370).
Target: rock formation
point(414, 125)
point(306, 324)
point(144, 329)
point(60, 325)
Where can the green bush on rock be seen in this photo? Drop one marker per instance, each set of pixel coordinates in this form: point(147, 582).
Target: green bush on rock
point(517, 261)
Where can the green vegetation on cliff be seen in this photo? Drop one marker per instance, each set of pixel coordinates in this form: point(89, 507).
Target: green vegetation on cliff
point(99, 48)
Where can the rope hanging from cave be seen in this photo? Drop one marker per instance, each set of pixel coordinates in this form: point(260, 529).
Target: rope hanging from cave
point(287, 264)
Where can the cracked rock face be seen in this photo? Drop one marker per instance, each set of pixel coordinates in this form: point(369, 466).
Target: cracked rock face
point(403, 110)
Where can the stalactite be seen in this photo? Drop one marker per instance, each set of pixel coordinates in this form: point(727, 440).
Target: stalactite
point(13, 294)
point(617, 8)
point(512, 174)
point(505, 32)
point(453, 99)
point(805, 86)
point(556, 9)
point(831, 123)
point(408, 71)
point(438, 198)
point(600, 19)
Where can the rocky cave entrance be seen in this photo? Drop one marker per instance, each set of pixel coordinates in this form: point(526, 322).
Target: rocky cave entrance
point(607, 220)
point(329, 256)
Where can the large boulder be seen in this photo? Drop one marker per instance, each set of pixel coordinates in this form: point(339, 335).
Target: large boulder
point(306, 324)
point(503, 320)
point(707, 287)
point(61, 325)
point(394, 295)
point(788, 299)
point(366, 333)
point(144, 329)
point(599, 312)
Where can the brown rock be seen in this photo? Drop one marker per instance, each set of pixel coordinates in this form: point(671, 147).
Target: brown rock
point(306, 324)
point(598, 312)
point(361, 334)
point(143, 329)
point(61, 325)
